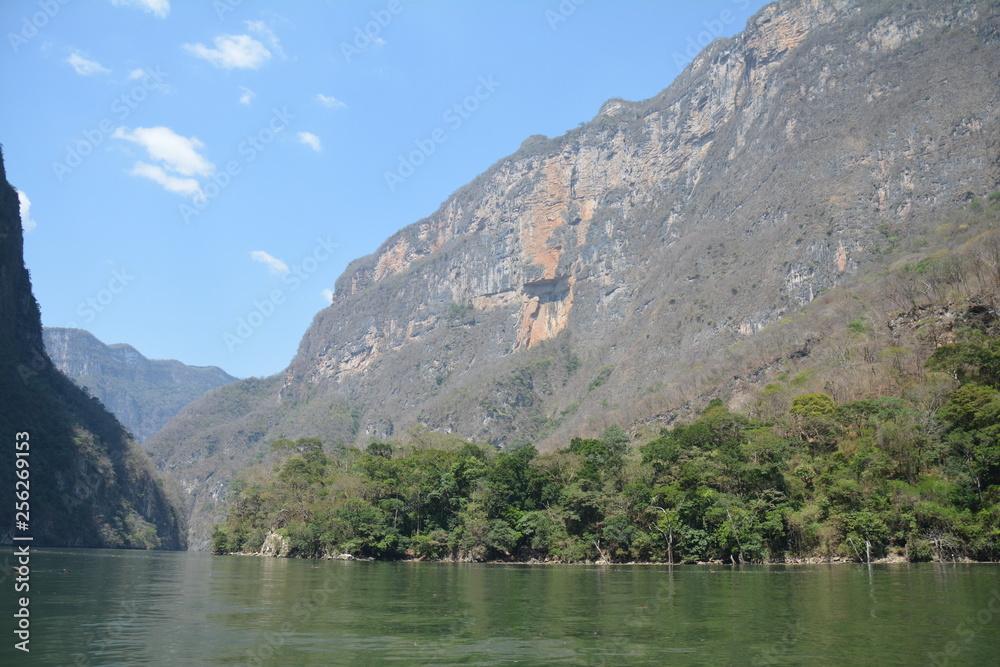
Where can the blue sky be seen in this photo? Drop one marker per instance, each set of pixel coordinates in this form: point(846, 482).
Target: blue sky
point(200, 173)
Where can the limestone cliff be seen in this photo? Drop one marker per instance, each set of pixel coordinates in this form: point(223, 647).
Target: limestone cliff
point(761, 177)
point(581, 280)
point(142, 393)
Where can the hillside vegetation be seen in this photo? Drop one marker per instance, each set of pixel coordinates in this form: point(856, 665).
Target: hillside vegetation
point(880, 438)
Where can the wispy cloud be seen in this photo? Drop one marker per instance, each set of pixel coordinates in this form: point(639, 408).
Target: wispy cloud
point(178, 153)
point(247, 95)
point(178, 158)
point(232, 52)
point(182, 186)
point(329, 101)
point(310, 140)
point(85, 67)
point(327, 295)
point(158, 8)
point(274, 265)
point(27, 223)
point(263, 31)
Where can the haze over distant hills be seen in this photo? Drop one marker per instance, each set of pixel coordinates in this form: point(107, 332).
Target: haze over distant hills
point(608, 275)
point(142, 393)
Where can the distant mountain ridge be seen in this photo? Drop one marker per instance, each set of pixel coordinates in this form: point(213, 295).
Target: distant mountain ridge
point(142, 393)
point(603, 276)
point(88, 483)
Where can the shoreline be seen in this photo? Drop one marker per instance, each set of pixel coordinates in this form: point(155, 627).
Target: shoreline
point(811, 560)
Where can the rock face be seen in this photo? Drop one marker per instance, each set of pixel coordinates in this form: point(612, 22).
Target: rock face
point(575, 282)
point(142, 393)
point(89, 484)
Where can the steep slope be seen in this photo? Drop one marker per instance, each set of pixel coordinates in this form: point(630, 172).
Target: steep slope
point(142, 393)
point(598, 276)
point(89, 483)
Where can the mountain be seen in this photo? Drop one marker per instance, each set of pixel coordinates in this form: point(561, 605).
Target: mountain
point(88, 483)
point(611, 274)
point(142, 393)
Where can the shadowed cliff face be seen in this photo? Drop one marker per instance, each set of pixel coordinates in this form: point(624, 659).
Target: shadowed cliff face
point(21, 322)
point(574, 283)
point(90, 485)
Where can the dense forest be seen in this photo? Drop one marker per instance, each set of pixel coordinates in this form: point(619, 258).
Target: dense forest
point(863, 480)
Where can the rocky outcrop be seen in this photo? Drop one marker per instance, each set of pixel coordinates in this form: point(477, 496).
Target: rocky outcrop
point(142, 393)
point(577, 281)
point(276, 545)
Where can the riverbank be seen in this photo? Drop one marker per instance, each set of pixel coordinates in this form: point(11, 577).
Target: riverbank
point(809, 560)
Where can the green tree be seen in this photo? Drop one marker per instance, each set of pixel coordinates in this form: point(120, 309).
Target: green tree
point(813, 405)
point(973, 437)
point(974, 359)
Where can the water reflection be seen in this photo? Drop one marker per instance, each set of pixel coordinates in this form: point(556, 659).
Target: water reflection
point(140, 608)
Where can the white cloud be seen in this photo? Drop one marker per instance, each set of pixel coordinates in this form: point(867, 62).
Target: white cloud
point(178, 154)
point(327, 295)
point(310, 140)
point(158, 8)
point(232, 52)
point(85, 67)
point(136, 74)
point(262, 30)
point(27, 223)
point(178, 158)
point(274, 265)
point(176, 184)
point(247, 96)
point(329, 101)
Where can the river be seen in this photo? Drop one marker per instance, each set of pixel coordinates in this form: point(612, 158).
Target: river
point(162, 608)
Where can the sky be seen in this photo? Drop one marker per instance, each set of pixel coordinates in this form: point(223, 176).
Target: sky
point(194, 176)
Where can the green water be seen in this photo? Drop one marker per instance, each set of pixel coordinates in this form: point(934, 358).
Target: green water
point(148, 608)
